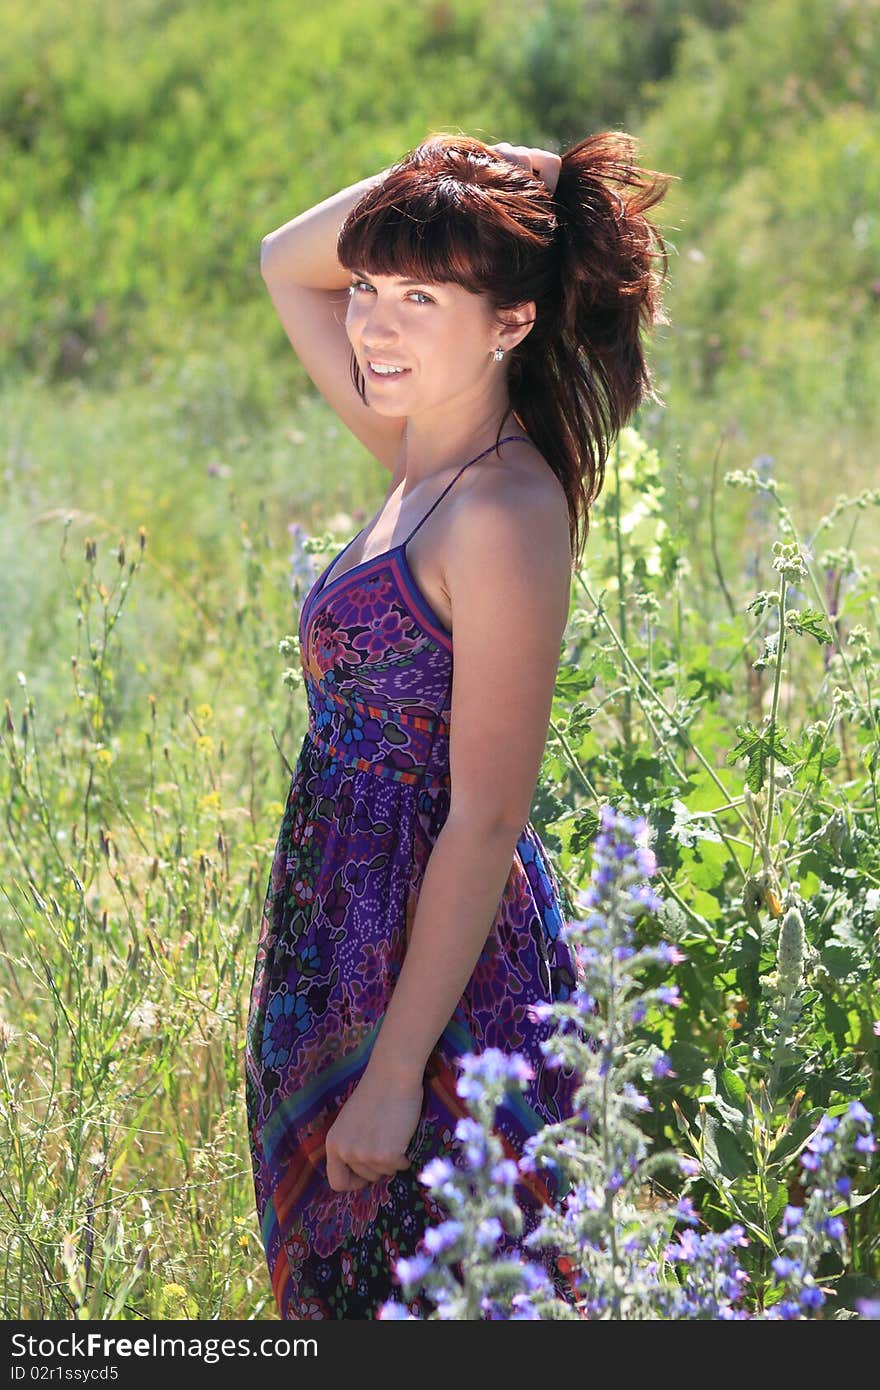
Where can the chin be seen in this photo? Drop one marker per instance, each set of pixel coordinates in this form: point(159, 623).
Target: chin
point(389, 412)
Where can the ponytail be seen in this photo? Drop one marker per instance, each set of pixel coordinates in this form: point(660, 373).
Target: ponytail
point(577, 378)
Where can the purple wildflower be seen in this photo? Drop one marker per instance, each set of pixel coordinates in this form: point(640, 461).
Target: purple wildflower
point(488, 1068)
point(857, 1112)
point(786, 1310)
point(488, 1233)
point(812, 1297)
point(539, 1012)
point(834, 1228)
point(783, 1267)
point(662, 1067)
point(439, 1239)
point(473, 1137)
point(635, 1098)
point(670, 955)
point(413, 1271)
point(395, 1312)
point(668, 994)
point(686, 1211)
point(437, 1172)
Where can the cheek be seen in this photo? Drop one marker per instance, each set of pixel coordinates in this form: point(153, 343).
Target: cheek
point(461, 345)
point(351, 315)
point(357, 314)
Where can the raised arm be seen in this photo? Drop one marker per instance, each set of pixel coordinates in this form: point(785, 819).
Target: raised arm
point(309, 289)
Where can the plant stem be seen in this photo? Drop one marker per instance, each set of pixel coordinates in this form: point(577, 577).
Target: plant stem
point(777, 681)
point(621, 596)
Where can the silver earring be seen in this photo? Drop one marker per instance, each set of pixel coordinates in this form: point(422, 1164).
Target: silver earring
point(498, 354)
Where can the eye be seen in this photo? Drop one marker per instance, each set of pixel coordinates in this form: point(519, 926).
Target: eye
point(358, 285)
point(420, 294)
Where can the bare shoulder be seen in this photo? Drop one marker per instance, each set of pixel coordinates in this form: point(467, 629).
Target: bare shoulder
point(509, 577)
point(513, 515)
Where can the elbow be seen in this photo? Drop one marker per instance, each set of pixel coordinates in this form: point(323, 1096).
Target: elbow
point(264, 252)
point(484, 826)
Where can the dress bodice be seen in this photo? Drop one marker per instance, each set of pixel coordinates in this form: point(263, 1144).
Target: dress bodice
point(377, 663)
point(377, 666)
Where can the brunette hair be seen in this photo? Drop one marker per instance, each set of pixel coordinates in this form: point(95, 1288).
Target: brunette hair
point(454, 210)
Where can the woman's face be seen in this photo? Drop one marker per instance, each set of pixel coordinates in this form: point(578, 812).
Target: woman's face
point(441, 335)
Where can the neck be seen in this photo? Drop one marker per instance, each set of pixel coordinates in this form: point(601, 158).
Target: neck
point(430, 445)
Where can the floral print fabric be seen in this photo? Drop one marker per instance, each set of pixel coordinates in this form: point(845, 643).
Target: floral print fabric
point(368, 797)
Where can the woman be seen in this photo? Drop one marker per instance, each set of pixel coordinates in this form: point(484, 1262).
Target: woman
point(492, 342)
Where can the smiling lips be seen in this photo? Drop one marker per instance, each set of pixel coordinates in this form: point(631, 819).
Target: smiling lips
point(386, 369)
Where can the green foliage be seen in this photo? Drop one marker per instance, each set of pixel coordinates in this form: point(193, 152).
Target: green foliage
point(772, 127)
point(574, 66)
point(770, 881)
point(146, 150)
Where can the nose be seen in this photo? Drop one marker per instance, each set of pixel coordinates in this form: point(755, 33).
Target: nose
point(378, 325)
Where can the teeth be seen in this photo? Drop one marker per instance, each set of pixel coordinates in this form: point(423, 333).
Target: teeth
point(386, 371)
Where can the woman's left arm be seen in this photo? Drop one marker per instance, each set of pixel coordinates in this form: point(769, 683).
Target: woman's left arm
point(508, 581)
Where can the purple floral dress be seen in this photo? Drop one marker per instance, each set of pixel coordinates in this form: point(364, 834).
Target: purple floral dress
point(367, 800)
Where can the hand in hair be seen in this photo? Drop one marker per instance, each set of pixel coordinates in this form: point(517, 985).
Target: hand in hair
point(542, 163)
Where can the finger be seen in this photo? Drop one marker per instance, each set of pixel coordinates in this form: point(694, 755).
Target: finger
point(340, 1176)
point(544, 157)
point(546, 166)
point(369, 1171)
point(366, 1173)
point(515, 154)
point(384, 1168)
point(522, 156)
point(547, 163)
point(347, 1181)
point(379, 1168)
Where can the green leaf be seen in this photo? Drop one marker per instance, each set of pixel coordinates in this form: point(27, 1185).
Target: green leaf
point(710, 864)
point(733, 1087)
point(790, 1143)
point(723, 1159)
point(579, 720)
point(688, 1062)
point(707, 905)
point(687, 828)
point(758, 747)
point(837, 1021)
point(733, 1116)
point(584, 833)
point(762, 601)
point(573, 681)
point(808, 620)
point(841, 961)
point(817, 752)
point(777, 1202)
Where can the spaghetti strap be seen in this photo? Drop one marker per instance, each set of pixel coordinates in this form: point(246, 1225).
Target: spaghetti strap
point(506, 440)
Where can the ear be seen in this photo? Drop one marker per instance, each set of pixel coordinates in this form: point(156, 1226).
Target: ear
point(515, 324)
